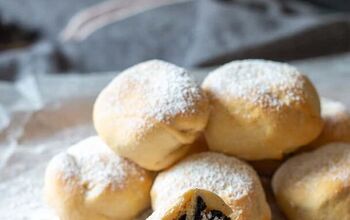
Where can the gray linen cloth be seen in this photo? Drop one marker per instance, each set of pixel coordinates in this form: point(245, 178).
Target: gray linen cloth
point(192, 34)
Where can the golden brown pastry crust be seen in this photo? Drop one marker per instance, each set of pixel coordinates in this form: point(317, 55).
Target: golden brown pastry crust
point(186, 205)
point(90, 182)
point(233, 180)
point(151, 113)
point(336, 127)
point(260, 109)
point(315, 185)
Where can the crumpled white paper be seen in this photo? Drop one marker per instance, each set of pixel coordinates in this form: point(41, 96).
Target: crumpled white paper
point(41, 115)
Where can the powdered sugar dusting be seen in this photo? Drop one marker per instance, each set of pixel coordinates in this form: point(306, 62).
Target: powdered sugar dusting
point(153, 90)
point(226, 176)
point(331, 108)
point(336, 119)
point(66, 164)
point(95, 165)
point(329, 162)
point(21, 198)
point(264, 83)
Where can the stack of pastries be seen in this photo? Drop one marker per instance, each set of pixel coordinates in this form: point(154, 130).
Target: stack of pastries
point(196, 152)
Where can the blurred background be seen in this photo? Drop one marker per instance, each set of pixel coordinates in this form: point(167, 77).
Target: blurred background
point(84, 36)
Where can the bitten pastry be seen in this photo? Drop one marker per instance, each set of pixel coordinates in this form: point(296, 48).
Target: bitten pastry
point(90, 182)
point(151, 113)
point(233, 180)
point(336, 124)
point(195, 204)
point(260, 109)
point(315, 185)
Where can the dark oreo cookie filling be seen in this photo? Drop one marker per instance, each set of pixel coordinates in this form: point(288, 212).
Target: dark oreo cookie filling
point(201, 213)
point(200, 206)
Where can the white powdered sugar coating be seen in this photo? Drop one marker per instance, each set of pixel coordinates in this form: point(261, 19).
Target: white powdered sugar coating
point(330, 162)
point(66, 164)
point(21, 198)
point(264, 83)
point(95, 166)
point(208, 216)
point(226, 176)
point(154, 90)
point(336, 119)
point(331, 108)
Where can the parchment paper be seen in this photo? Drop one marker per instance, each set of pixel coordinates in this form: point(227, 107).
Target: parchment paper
point(43, 114)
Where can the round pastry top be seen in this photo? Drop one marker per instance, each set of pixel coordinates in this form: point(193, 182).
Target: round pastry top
point(264, 83)
point(329, 163)
point(224, 175)
point(331, 108)
point(95, 166)
point(154, 90)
